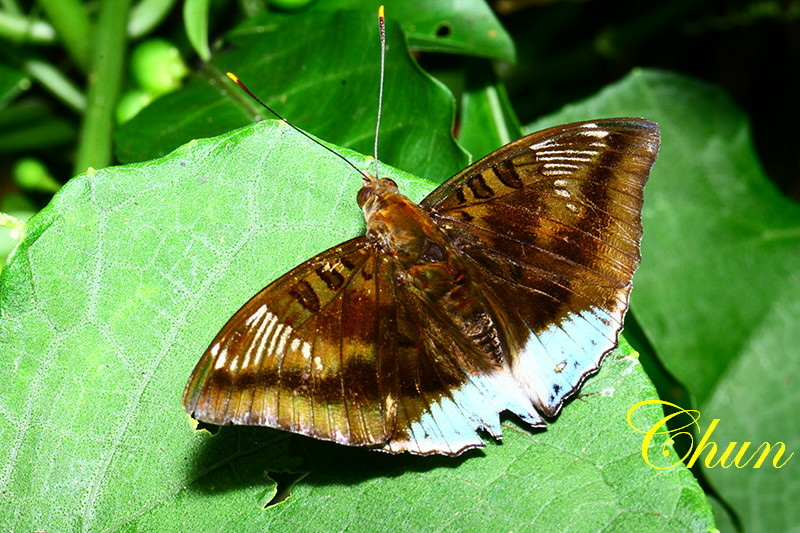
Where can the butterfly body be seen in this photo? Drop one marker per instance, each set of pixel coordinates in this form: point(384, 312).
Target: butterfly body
point(428, 265)
point(502, 290)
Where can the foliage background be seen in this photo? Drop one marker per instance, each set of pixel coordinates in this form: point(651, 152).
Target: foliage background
point(124, 276)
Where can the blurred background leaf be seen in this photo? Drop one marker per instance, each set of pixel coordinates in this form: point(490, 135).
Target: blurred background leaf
point(328, 90)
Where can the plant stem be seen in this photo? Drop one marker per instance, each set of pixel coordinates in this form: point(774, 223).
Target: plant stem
point(105, 80)
point(73, 27)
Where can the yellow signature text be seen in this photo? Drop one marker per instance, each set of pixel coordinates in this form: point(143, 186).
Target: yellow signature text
point(733, 455)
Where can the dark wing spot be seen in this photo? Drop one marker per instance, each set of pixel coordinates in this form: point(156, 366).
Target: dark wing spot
point(479, 188)
point(466, 217)
point(507, 173)
point(331, 278)
point(305, 295)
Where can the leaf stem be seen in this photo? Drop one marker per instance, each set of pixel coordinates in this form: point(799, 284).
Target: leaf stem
point(71, 22)
point(104, 83)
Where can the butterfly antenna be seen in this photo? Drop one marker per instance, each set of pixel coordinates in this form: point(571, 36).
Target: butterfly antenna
point(250, 93)
point(382, 27)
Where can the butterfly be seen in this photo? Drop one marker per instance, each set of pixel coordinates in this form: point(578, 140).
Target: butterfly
point(503, 290)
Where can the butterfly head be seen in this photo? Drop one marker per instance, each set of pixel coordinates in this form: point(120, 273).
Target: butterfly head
point(373, 192)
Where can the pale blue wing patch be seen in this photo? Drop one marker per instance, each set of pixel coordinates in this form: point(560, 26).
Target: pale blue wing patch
point(554, 363)
point(450, 425)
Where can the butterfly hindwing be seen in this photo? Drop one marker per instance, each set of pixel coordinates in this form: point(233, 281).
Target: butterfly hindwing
point(445, 394)
point(552, 222)
point(337, 350)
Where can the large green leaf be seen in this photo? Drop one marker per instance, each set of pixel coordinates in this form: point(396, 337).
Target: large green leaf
point(318, 83)
point(718, 290)
point(465, 27)
point(126, 276)
point(487, 119)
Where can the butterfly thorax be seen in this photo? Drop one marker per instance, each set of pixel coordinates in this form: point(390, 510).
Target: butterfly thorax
point(428, 264)
point(402, 229)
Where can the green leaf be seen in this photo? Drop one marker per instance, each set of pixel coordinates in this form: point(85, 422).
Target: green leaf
point(12, 227)
point(33, 125)
point(195, 21)
point(56, 83)
point(123, 280)
point(146, 16)
point(487, 119)
point(12, 82)
point(718, 290)
point(27, 124)
point(464, 27)
point(326, 89)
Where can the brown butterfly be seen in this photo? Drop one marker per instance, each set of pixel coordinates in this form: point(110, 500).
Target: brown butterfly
point(502, 290)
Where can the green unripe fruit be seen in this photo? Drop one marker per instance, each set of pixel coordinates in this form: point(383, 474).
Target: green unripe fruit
point(158, 67)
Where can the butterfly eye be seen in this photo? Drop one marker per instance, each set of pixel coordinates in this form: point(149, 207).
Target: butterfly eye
point(363, 195)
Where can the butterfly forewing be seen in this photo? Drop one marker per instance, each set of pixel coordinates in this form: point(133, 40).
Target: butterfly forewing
point(301, 355)
point(553, 223)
